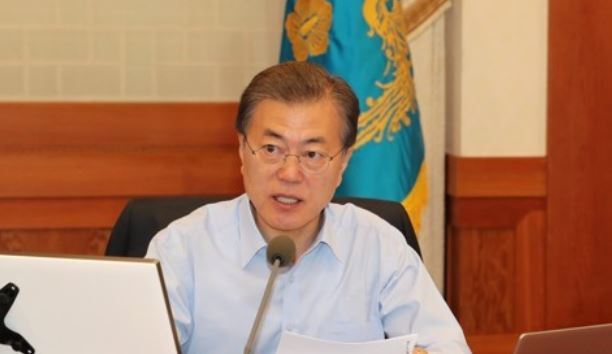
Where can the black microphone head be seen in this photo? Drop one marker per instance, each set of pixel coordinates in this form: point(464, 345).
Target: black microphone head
point(282, 248)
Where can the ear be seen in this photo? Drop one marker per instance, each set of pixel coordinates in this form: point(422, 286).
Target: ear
point(241, 151)
point(345, 160)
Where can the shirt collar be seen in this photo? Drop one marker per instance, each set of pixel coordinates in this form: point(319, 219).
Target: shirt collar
point(252, 241)
point(330, 235)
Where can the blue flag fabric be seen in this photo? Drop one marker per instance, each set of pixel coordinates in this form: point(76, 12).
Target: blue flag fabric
point(363, 42)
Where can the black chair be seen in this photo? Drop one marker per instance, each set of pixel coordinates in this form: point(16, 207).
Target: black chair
point(142, 218)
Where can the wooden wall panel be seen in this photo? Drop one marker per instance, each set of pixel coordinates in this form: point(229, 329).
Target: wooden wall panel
point(495, 243)
point(67, 169)
point(34, 125)
point(530, 271)
point(68, 241)
point(579, 265)
point(561, 205)
point(95, 172)
point(481, 278)
point(495, 275)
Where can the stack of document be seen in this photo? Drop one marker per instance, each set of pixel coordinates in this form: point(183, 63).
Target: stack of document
point(292, 343)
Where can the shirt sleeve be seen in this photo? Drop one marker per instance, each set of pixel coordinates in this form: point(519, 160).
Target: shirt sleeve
point(173, 253)
point(411, 303)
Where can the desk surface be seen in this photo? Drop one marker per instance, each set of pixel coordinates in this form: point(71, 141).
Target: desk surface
point(493, 343)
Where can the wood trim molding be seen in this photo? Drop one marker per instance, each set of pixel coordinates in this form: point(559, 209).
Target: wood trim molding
point(486, 177)
point(63, 213)
point(495, 212)
point(111, 125)
point(85, 172)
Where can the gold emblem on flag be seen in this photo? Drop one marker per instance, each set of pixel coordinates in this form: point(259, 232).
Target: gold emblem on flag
point(388, 113)
point(308, 28)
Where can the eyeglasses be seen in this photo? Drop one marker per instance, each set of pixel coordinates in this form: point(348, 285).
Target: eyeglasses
point(310, 161)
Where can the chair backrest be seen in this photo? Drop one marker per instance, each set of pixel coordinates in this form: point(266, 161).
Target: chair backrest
point(142, 218)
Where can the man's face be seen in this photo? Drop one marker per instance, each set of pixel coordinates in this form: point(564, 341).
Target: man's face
point(287, 199)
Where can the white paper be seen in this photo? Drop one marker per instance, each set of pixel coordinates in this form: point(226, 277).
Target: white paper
point(292, 343)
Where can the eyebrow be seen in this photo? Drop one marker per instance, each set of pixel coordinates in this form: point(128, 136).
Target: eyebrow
point(314, 140)
point(272, 133)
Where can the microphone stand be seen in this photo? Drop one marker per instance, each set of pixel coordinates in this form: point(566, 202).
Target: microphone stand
point(248, 349)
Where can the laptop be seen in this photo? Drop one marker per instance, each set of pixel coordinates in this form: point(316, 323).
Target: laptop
point(596, 339)
point(94, 305)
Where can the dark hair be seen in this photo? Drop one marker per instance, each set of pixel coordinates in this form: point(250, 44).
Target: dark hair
point(298, 82)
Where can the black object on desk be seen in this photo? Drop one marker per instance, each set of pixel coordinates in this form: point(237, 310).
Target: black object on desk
point(8, 337)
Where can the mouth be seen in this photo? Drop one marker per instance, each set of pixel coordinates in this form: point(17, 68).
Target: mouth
point(287, 200)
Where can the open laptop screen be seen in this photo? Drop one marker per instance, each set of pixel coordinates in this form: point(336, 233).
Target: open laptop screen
point(89, 305)
point(596, 339)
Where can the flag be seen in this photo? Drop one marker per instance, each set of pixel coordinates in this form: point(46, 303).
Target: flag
point(363, 42)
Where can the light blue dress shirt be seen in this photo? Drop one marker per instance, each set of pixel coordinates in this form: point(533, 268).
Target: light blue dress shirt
point(358, 281)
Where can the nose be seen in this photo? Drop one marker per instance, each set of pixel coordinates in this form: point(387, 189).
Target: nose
point(290, 170)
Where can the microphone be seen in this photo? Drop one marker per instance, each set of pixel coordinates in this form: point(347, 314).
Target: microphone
point(280, 253)
point(281, 249)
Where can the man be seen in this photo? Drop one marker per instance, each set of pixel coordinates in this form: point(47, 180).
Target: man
point(355, 278)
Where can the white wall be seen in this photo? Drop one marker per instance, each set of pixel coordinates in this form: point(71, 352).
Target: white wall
point(134, 50)
point(497, 71)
